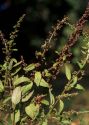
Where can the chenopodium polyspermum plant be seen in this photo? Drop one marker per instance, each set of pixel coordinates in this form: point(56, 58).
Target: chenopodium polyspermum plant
point(26, 90)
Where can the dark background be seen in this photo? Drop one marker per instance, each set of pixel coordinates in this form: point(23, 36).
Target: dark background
point(40, 16)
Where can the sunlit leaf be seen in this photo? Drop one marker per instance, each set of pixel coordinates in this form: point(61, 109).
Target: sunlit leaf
point(26, 88)
point(61, 106)
point(15, 77)
point(67, 72)
point(16, 95)
point(81, 65)
point(27, 97)
point(21, 80)
point(52, 99)
point(79, 87)
point(32, 110)
point(47, 74)
point(37, 78)
point(1, 86)
point(45, 102)
point(75, 79)
point(11, 63)
point(29, 67)
point(17, 64)
point(17, 116)
point(43, 83)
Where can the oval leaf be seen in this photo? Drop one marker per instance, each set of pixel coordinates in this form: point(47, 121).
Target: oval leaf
point(61, 105)
point(37, 78)
point(17, 116)
point(27, 97)
point(79, 87)
point(29, 67)
point(32, 110)
point(67, 72)
point(45, 102)
point(16, 95)
point(17, 64)
point(26, 88)
point(21, 80)
point(43, 83)
point(52, 99)
point(75, 79)
point(13, 60)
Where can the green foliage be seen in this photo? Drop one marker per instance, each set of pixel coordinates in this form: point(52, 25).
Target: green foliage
point(68, 72)
point(26, 90)
point(16, 95)
point(1, 86)
point(32, 110)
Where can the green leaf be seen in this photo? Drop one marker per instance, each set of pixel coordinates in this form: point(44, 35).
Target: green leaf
point(29, 67)
point(4, 67)
point(16, 71)
point(1, 86)
point(17, 116)
point(21, 80)
point(75, 79)
point(16, 95)
point(79, 87)
point(27, 97)
point(47, 74)
point(61, 105)
point(67, 72)
point(11, 63)
point(26, 88)
point(37, 78)
point(45, 102)
point(17, 64)
point(52, 99)
point(45, 122)
point(81, 65)
point(15, 77)
point(32, 110)
point(66, 122)
point(43, 83)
